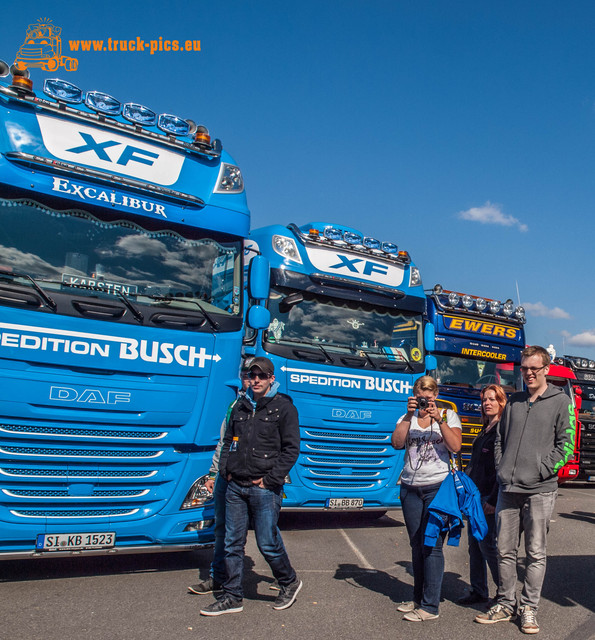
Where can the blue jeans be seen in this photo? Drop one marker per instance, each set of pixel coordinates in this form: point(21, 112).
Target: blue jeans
point(529, 513)
point(263, 505)
point(428, 562)
point(218, 564)
point(483, 554)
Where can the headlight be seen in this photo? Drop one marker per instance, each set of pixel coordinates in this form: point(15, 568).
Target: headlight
point(414, 277)
point(198, 494)
point(287, 248)
point(230, 179)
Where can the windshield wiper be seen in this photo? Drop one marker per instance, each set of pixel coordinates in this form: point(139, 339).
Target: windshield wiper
point(133, 310)
point(214, 324)
point(49, 302)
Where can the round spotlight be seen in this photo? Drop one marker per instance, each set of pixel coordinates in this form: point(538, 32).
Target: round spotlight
point(453, 299)
point(438, 289)
point(494, 306)
point(508, 308)
point(467, 301)
point(519, 313)
point(480, 304)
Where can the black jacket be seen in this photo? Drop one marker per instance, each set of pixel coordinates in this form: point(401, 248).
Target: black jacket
point(482, 466)
point(266, 441)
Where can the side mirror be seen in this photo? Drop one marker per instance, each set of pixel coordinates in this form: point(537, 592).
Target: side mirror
point(429, 337)
point(259, 317)
point(259, 278)
point(431, 363)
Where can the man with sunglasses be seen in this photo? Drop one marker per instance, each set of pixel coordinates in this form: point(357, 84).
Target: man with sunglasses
point(260, 447)
point(533, 441)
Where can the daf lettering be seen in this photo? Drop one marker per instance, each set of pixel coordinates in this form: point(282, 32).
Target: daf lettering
point(352, 414)
point(89, 396)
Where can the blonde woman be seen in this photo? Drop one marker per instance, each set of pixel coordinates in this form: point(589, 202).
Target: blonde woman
point(429, 435)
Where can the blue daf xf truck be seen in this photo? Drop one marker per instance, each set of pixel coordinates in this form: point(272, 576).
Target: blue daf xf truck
point(478, 341)
point(347, 340)
point(121, 321)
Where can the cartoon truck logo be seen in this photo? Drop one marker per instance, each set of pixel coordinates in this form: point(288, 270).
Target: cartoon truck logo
point(43, 48)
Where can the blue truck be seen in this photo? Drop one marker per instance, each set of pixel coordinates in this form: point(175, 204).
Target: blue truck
point(347, 340)
point(478, 341)
point(122, 316)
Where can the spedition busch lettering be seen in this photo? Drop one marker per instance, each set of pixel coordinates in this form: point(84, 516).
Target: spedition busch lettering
point(63, 185)
point(85, 344)
point(364, 383)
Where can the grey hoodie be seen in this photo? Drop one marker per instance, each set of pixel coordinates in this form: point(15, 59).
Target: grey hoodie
point(533, 441)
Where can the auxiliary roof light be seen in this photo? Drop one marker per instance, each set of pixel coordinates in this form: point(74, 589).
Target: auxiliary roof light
point(314, 233)
point(62, 91)
point(404, 256)
point(508, 308)
point(20, 79)
point(494, 306)
point(352, 238)
point(467, 301)
point(519, 313)
point(453, 299)
point(584, 363)
point(371, 243)
point(202, 135)
point(103, 103)
point(139, 114)
point(172, 124)
point(438, 289)
point(591, 364)
point(330, 233)
point(4, 69)
point(480, 304)
point(390, 248)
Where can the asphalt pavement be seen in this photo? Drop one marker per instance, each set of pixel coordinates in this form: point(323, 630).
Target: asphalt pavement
point(355, 570)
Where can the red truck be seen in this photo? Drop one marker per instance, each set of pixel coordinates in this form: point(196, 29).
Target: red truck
point(564, 377)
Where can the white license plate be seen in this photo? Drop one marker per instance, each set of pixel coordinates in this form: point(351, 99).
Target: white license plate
point(591, 479)
point(73, 541)
point(345, 503)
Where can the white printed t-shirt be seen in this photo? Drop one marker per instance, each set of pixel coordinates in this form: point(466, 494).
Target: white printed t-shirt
point(426, 455)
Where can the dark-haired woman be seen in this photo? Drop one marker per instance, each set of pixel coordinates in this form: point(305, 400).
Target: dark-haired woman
point(482, 470)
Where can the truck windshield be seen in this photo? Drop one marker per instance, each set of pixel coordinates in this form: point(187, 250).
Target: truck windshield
point(341, 332)
point(476, 374)
point(588, 396)
point(149, 262)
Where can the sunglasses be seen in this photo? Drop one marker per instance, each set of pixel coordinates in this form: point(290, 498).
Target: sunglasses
point(532, 369)
point(260, 376)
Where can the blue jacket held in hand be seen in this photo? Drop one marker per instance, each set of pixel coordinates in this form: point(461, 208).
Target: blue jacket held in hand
point(457, 497)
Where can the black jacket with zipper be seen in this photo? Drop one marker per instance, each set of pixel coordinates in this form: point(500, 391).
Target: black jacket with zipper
point(262, 441)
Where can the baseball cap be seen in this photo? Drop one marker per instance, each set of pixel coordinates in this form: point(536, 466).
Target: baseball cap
point(264, 364)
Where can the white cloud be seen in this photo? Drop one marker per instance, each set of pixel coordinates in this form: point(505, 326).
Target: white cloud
point(584, 339)
point(539, 309)
point(491, 214)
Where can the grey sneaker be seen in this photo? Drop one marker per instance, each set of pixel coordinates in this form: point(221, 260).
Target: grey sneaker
point(420, 615)
point(221, 606)
point(528, 620)
point(202, 588)
point(287, 595)
point(406, 607)
point(498, 613)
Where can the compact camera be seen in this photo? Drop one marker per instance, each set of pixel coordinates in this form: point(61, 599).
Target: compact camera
point(422, 402)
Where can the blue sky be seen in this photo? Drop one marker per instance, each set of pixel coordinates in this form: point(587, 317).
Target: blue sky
point(464, 131)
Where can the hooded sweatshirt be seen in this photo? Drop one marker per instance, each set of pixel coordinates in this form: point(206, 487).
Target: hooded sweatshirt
point(534, 439)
